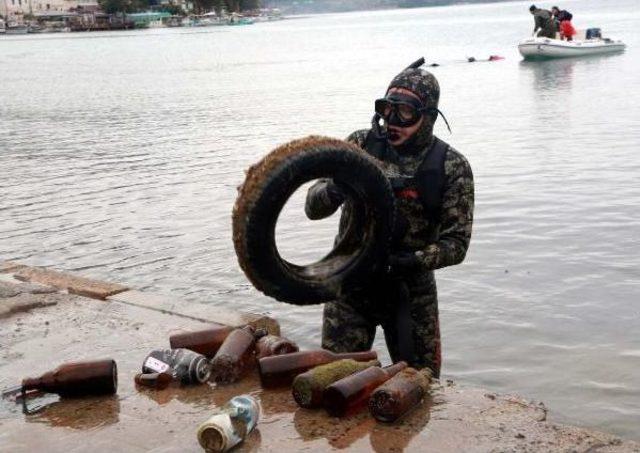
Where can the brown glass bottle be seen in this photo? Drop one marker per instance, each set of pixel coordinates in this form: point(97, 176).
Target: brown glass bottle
point(350, 394)
point(205, 342)
point(77, 379)
point(234, 356)
point(158, 381)
point(399, 394)
point(307, 388)
point(269, 345)
point(280, 370)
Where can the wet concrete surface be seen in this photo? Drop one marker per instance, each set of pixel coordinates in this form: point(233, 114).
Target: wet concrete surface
point(71, 328)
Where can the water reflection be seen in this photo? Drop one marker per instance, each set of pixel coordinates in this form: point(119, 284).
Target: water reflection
point(558, 75)
point(397, 436)
point(81, 414)
point(150, 205)
point(315, 424)
point(302, 241)
point(252, 442)
point(551, 75)
point(344, 432)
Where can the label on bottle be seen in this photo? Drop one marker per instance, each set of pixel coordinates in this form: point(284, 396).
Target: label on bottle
point(156, 365)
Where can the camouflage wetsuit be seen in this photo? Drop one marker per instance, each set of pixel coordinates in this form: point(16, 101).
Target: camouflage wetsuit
point(544, 22)
point(350, 322)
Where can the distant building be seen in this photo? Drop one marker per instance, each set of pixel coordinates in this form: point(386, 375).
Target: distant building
point(18, 8)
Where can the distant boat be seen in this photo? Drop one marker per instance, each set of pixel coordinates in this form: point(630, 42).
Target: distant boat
point(240, 21)
point(35, 29)
point(16, 29)
point(544, 48)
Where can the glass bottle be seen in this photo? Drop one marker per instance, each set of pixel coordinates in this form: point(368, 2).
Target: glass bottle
point(307, 387)
point(77, 379)
point(230, 425)
point(205, 342)
point(269, 345)
point(184, 365)
point(350, 394)
point(280, 370)
point(234, 356)
point(158, 381)
point(400, 394)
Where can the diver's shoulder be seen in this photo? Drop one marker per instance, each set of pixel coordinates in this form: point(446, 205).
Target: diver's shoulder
point(455, 161)
point(358, 137)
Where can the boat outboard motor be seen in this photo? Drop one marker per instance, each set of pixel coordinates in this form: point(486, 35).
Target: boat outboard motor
point(593, 33)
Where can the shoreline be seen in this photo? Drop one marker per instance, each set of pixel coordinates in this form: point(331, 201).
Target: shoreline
point(49, 317)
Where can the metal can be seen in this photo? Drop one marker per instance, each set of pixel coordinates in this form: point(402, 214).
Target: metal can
point(186, 366)
point(230, 424)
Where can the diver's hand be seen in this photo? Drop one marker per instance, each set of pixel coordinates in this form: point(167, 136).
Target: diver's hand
point(335, 193)
point(323, 199)
point(404, 261)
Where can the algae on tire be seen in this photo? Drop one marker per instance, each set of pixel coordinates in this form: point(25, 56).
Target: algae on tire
point(268, 185)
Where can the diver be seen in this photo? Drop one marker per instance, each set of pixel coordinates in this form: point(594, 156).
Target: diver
point(434, 191)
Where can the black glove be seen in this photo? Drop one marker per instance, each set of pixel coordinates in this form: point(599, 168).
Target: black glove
point(334, 192)
point(404, 261)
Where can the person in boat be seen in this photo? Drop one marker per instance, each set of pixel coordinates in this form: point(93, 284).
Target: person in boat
point(433, 186)
point(560, 15)
point(562, 19)
point(544, 25)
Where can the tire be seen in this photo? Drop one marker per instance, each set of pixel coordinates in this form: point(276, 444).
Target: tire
point(267, 187)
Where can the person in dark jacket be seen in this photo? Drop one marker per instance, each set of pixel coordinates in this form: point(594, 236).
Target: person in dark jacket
point(562, 19)
point(561, 15)
point(403, 298)
point(544, 24)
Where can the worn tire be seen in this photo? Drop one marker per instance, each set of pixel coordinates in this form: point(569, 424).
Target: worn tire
point(266, 189)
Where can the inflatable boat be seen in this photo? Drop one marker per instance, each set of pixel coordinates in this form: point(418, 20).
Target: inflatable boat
point(543, 48)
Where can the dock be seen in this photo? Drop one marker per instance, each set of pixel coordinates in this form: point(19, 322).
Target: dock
point(49, 317)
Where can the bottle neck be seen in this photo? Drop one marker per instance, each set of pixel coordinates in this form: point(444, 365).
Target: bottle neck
point(359, 356)
point(392, 370)
point(31, 384)
point(427, 373)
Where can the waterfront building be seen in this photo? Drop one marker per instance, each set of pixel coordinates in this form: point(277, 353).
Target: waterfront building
point(17, 9)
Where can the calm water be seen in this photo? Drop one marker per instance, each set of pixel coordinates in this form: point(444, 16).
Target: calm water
point(121, 153)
